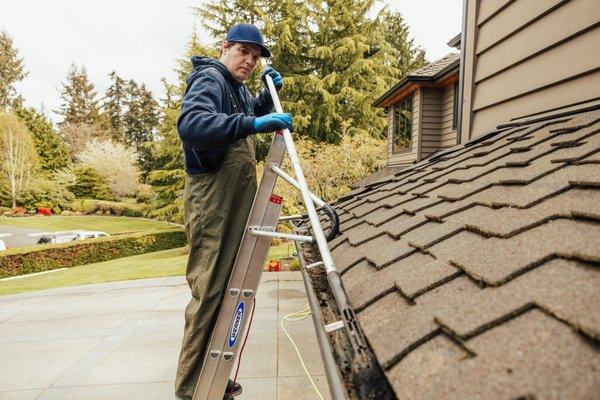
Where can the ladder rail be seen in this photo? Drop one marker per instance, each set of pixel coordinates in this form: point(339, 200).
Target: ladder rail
point(210, 381)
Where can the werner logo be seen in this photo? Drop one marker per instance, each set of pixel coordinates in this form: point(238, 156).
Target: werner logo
point(236, 324)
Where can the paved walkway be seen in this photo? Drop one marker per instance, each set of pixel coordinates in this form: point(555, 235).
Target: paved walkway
point(18, 236)
point(121, 340)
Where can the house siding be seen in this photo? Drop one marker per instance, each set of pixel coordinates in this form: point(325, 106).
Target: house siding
point(431, 121)
point(526, 57)
point(448, 132)
point(408, 157)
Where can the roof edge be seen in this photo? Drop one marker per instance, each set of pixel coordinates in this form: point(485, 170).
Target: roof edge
point(416, 79)
point(455, 41)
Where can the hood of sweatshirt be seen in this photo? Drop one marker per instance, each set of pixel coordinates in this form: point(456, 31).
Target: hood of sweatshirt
point(201, 63)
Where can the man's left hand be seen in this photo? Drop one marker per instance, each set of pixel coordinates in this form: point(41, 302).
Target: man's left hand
point(276, 76)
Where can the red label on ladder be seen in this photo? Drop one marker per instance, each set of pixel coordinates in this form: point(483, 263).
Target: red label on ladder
point(276, 199)
point(280, 133)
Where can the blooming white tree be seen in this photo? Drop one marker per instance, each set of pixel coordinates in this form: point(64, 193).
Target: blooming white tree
point(117, 163)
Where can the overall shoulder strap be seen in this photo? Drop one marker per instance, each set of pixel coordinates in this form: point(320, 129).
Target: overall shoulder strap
point(226, 87)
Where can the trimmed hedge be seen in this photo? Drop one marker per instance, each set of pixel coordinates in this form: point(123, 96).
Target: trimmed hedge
point(81, 252)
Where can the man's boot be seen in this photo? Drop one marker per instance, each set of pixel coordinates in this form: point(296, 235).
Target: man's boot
point(233, 389)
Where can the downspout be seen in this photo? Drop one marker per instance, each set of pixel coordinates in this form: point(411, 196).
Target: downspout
point(461, 79)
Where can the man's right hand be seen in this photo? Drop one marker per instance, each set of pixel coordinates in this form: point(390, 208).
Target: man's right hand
point(272, 122)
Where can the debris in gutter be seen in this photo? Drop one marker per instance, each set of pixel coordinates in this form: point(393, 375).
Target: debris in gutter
point(364, 379)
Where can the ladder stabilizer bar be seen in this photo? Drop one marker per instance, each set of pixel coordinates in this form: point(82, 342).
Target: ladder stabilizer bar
point(280, 235)
point(334, 228)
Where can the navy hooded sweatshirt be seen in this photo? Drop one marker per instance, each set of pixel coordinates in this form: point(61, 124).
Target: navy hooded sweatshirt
point(216, 111)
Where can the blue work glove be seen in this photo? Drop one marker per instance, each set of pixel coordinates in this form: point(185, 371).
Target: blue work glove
point(276, 76)
point(272, 122)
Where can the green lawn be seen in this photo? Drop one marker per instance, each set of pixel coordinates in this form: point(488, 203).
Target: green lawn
point(108, 224)
point(152, 265)
point(284, 250)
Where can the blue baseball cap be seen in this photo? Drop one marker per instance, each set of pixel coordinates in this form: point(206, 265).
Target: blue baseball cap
point(248, 33)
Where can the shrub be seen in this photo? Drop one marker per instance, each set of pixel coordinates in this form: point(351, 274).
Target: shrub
point(90, 184)
point(101, 207)
point(47, 193)
point(295, 265)
point(19, 211)
point(66, 255)
point(145, 193)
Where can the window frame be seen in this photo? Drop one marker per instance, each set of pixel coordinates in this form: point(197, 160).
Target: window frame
point(407, 124)
point(455, 106)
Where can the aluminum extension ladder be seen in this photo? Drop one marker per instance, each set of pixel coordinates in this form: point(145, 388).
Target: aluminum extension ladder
point(232, 322)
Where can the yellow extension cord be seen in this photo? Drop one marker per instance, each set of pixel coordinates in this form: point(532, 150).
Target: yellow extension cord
point(293, 317)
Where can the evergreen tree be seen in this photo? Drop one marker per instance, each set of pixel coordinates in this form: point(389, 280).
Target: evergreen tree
point(52, 151)
point(220, 15)
point(114, 105)
point(141, 116)
point(335, 59)
point(140, 121)
point(80, 105)
point(167, 175)
point(11, 69)
point(351, 64)
point(133, 117)
point(406, 54)
point(90, 184)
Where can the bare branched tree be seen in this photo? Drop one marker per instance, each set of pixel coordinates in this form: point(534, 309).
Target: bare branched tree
point(77, 136)
point(18, 160)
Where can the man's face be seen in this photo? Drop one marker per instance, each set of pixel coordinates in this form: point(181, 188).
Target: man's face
point(240, 59)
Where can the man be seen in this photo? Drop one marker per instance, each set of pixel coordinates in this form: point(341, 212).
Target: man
point(217, 124)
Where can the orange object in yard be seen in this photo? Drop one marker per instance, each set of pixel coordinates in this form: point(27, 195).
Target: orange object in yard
point(44, 211)
point(274, 266)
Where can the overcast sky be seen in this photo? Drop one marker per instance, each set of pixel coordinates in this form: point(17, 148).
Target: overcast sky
point(142, 39)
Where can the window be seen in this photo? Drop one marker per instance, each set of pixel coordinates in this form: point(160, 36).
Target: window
point(455, 107)
point(403, 117)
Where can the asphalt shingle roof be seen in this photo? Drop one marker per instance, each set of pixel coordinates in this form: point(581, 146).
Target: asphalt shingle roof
point(475, 273)
point(427, 73)
point(434, 68)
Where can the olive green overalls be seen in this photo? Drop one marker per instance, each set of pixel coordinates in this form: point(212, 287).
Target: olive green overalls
point(216, 209)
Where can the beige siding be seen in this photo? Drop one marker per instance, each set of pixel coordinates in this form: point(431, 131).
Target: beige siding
point(431, 121)
point(390, 133)
point(407, 157)
point(488, 8)
point(526, 57)
point(535, 38)
point(448, 132)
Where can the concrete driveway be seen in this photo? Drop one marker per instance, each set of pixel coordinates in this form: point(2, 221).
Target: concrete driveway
point(121, 340)
point(18, 236)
